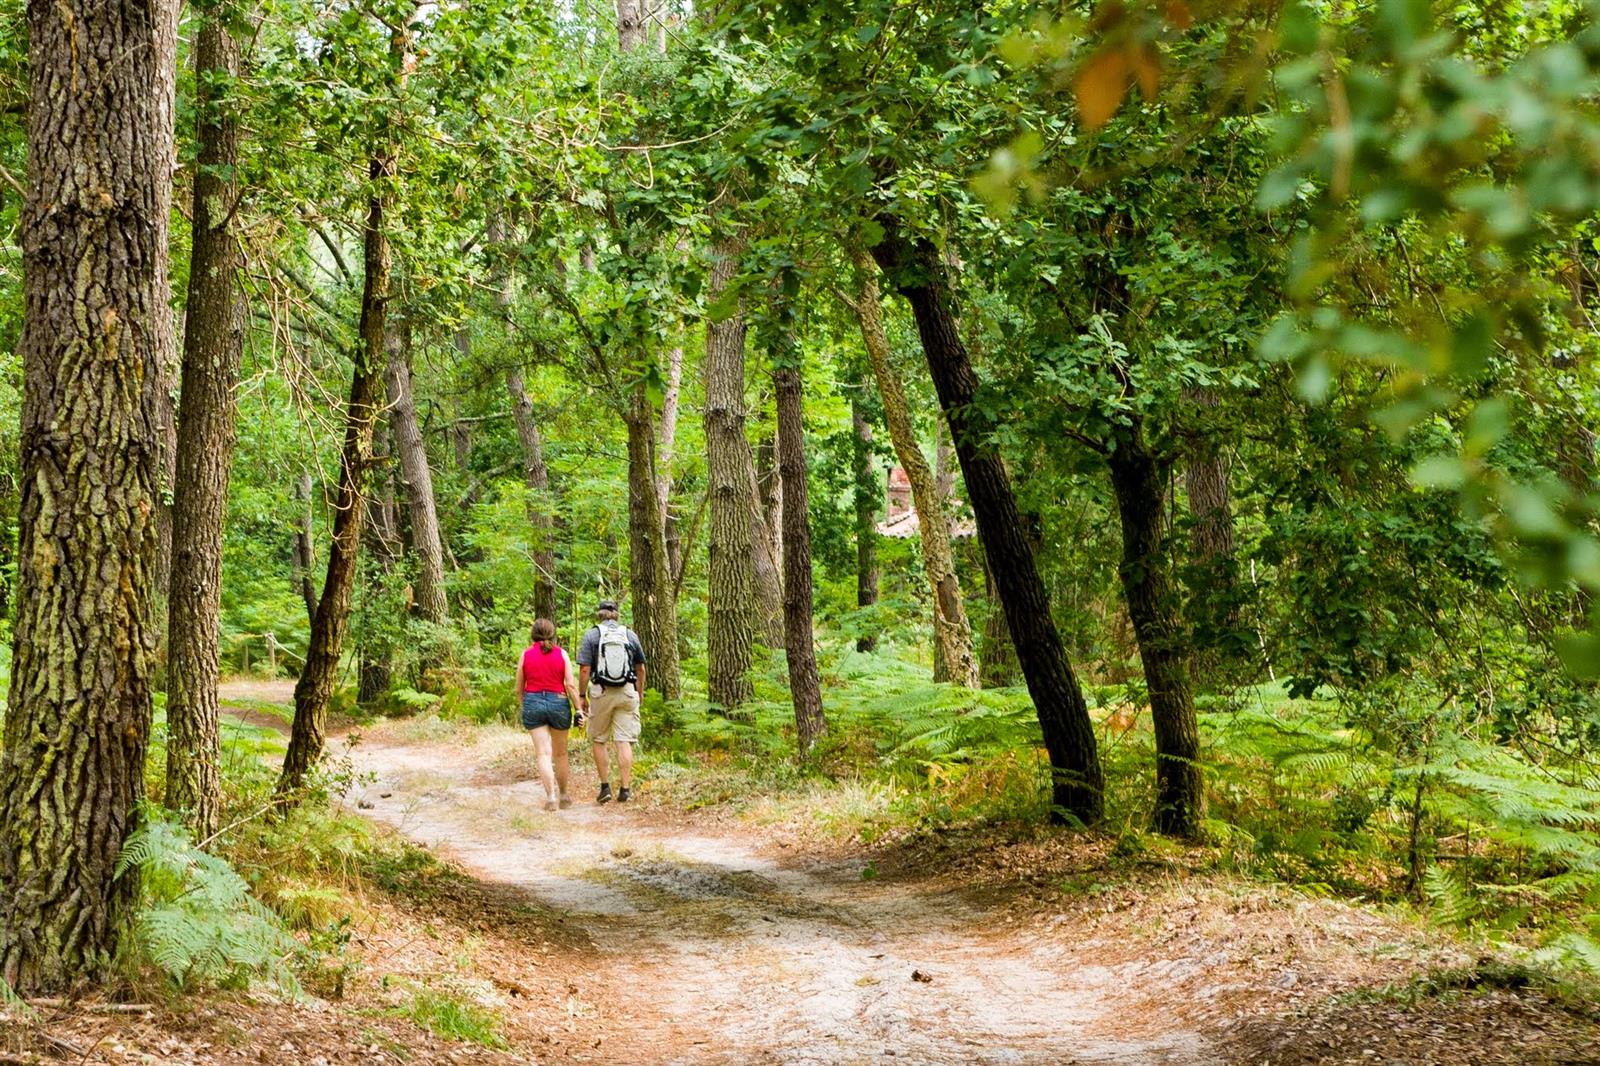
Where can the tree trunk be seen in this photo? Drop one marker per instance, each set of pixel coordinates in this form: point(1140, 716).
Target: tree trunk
point(213, 343)
point(997, 660)
point(537, 476)
point(805, 687)
point(630, 24)
point(320, 673)
point(96, 332)
point(649, 581)
point(375, 664)
point(730, 625)
point(1078, 782)
point(305, 557)
point(666, 444)
point(866, 500)
point(416, 480)
point(166, 479)
point(1139, 481)
point(764, 554)
point(952, 632)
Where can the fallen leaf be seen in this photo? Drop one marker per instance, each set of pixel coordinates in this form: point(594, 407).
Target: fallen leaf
point(918, 975)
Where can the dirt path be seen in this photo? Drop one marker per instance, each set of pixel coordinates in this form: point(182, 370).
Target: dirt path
point(711, 950)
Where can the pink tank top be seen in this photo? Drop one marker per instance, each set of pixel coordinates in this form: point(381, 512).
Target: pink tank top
point(544, 671)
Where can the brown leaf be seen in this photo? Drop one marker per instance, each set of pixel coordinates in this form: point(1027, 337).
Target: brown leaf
point(924, 978)
point(1147, 67)
point(1101, 84)
point(1179, 15)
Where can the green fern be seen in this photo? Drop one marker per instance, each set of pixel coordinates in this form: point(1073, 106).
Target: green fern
point(198, 923)
point(1451, 899)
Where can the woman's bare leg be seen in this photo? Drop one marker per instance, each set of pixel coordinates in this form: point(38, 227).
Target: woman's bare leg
point(541, 756)
point(558, 749)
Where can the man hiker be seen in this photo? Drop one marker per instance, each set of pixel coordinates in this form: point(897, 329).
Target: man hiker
point(611, 669)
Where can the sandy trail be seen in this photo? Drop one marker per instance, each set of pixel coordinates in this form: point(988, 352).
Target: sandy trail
point(712, 950)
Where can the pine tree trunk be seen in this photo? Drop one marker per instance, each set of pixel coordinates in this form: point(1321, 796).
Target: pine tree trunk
point(96, 331)
point(1139, 481)
point(805, 687)
point(416, 480)
point(866, 501)
point(952, 632)
point(305, 557)
point(318, 677)
point(655, 608)
point(213, 343)
point(1078, 782)
point(732, 618)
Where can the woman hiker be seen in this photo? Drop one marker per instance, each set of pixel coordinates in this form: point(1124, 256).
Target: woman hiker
point(549, 692)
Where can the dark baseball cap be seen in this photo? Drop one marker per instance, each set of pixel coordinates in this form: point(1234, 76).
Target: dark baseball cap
point(607, 605)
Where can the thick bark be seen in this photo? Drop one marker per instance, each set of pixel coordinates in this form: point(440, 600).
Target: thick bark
point(212, 344)
point(954, 659)
point(96, 331)
point(655, 608)
point(537, 476)
point(866, 501)
point(416, 481)
point(805, 686)
point(1078, 783)
point(730, 474)
point(305, 553)
point(317, 678)
point(1139, 481)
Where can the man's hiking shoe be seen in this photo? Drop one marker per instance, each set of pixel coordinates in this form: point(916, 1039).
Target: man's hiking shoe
point(623, 794)
point(566, 801)
point(605, 793)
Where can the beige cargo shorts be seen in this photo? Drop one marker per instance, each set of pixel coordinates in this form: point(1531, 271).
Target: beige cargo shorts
point(613, 714)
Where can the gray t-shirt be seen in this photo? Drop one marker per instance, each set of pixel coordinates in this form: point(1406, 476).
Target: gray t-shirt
point(589, 647)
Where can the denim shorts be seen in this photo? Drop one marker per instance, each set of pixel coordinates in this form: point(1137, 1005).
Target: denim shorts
point(546, 708)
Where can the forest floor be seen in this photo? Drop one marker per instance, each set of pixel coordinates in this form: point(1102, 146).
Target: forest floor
point(665, 932)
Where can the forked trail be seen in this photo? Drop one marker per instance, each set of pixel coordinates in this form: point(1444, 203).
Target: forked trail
point(710, 949)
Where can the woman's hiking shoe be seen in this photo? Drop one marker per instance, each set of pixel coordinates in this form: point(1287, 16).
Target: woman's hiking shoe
point(605, 793)
point(549, 805)
point(623, 794)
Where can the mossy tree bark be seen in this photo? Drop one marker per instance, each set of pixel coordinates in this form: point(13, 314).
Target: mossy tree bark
point(952, 632)
point(914, 268)
point(97, 329)
point(212, 345)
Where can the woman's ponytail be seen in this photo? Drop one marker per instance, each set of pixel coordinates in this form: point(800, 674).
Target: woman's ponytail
point(544, 633)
